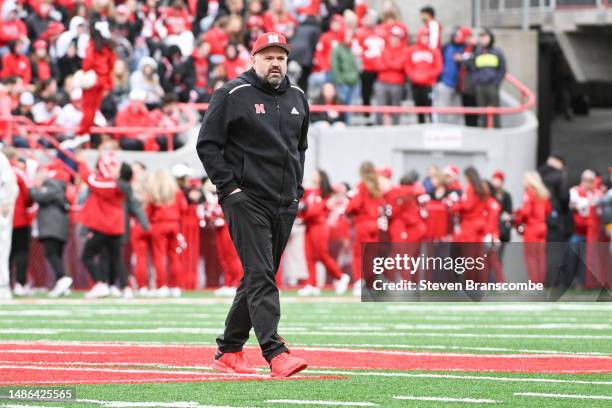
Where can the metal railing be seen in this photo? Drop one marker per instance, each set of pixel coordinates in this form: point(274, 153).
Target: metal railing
point(22, 125)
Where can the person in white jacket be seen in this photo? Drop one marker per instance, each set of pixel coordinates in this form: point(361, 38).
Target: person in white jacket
point(8, 195)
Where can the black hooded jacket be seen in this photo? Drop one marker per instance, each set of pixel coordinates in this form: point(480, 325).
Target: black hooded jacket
point(254, 137)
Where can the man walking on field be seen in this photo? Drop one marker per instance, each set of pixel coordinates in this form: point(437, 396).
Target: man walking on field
point(252, 144)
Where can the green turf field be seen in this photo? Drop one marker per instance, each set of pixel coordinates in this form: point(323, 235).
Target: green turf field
point(579, 330)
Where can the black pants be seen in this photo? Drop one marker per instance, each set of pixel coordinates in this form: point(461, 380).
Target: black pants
point(488, 95)
point(469, 100)
point(20, 252)
point(422, 97)
point(260, 232)
point(54, 251)
point(105, 245)
point(120, 274)
point(367, 87)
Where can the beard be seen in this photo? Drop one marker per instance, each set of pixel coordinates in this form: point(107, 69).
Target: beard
point(274, 77)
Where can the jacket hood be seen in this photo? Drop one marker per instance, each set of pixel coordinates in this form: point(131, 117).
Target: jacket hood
point(144, 61)
point(251, 77)
point(75, 22)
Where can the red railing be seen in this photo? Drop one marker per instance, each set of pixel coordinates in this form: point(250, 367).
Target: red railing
point(527, 101)
point(24, 125)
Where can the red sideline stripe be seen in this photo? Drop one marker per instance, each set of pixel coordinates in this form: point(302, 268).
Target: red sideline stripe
point(187, 355)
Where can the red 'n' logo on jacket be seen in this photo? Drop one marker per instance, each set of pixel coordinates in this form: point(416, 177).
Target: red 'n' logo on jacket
point(259, 108)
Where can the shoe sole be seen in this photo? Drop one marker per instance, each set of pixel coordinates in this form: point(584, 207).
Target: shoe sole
point(293, 371)
point(219, 366)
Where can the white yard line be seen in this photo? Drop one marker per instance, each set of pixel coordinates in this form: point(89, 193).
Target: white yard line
point(455, 377)
point(444, 399)
point(570, 396)
point(319, 402)
point(158, 404)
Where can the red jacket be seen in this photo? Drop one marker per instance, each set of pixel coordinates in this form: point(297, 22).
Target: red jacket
point(322, 55)
point(135, 114)
point(103, 209)
point(284, 25)
point(176, 21)
point(363, 206)
point(533, 214)
point(437, 220)
point(582, 200)
point(311, 9)
point(392, 64)
point(102, 63)
point(168, 213)
point(316, 210)
point(494, 209)
point(372, 46)
point(405, 212)
point(43, 69)
point(385, 30)
point(201, 71)
point(234, 67)
point(218, 39)
point(16, 65)
point(472, 213)
point(423, 65)
point(12, 30)
point(24, 206)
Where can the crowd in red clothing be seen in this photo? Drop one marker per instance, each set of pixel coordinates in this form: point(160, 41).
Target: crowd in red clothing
point(156, 53)
point(127, 212)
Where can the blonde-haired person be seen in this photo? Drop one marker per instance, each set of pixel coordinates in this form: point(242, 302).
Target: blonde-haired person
point(364, 207)
point(165, 211)
point(139, 238)
point(532, 218)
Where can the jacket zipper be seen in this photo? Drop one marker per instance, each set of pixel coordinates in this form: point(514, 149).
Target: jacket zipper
point(280, 191)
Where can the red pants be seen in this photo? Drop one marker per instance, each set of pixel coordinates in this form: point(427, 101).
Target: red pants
point(411, 237)
point(535, 261)
point(316, 246)
point(92, 99)
point(141, 244)
point(228, 257)
point(364, 232)
point(165, 243)
point(190, 257)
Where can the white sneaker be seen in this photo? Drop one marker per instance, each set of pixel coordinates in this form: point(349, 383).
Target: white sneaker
point(175, 292)
point(61, 288)
point(222, 291)
point(22, 290)
point(315, 291)
point(163, 292)
point(75, 142)
point(99, 290)
point(231, 291)
point(357, 288)
point(308, 290)
point(128, 293)
point(5, 293)
point(342, 284)
point(115, 292)
point(144, 292)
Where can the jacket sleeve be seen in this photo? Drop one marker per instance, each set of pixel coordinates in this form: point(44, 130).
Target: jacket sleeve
point(212, 140)
point(106, 188)
point(44, 195)
point(302, 146)
point(134, 207)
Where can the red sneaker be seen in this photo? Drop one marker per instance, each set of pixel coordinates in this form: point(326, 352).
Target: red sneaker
point(285, 365)
point(233, 363)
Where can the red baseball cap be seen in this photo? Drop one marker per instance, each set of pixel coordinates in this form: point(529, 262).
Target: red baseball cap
point(499, 174)
point(270, 39)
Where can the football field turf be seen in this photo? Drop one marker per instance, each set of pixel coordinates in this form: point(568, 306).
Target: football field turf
point(155, 353)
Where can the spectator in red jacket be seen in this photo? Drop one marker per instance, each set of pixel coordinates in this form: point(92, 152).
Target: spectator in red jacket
point(389, 86)
point(365, 207)
point(23, 216)
point(278, 19)
point(390, 18)
point(42, 66)
point(103, 214)
point(218, 38)
point(472, 209)
point(372, 45)
point(11, 27)
point(199, 58)
point(15, 63)
point(99, 59)
point(314, 215)
point(176, 18)
point(234, 63)
point(136, 114)
point(532, 217)
point(165, 211)
point(321, 70)
point(423, 66)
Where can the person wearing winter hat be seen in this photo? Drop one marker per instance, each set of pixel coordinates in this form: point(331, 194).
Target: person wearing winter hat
point(488, 72)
